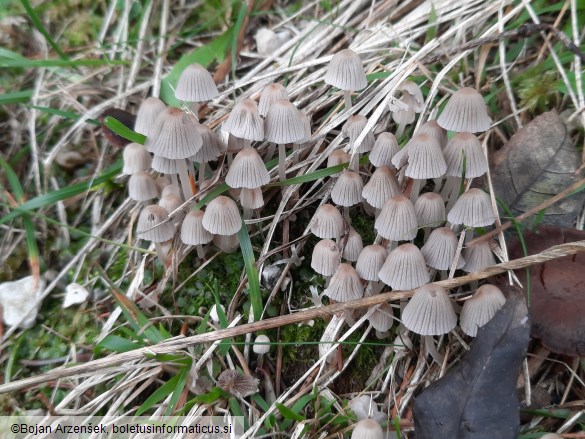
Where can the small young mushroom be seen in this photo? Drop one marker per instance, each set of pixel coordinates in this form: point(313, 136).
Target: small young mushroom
point(345, 285)
point(327, 222)
point(136, 159)
point(478, 256)
point(151, 227)
point(381, 187)
point(353, 246)
point(473, 209)
point(346, 72)
point(196, 85)
point(141, 187)
point(222, 216)
point(193, 232)
point(261, 347)
point(439, 250)
point(325, 258)
point(429, 311)
point(271, 93)
point(148, 111)
point(404, 268)
point(385, 147)
point(397, 220)
point(367, 429)
point(480, 308)
point(465, 111)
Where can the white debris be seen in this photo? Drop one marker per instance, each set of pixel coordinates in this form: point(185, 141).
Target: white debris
point(74, 294)
point(267, 41)
point(19, 301)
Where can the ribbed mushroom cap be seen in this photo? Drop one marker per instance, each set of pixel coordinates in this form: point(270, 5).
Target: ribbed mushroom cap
point(283, 123)
point(465, 111)
point(385, 147)
point(345, 285)
point(136, 159)
point(412, 88)
point(346, 72)
point(141, 187)
point(251, 198)
point(397, 220)
point(370, 262)
point(170, 202)
point(347, 190)
point(439, 250)
point(226, 243)
point(382, 318)
point(147, 114)
point(164, 165)
point(196, 85)
point(479, 309)
point(222, 216)
point(162, 181)
point(237, 384)
point(430, 210)
point(478, 256)
point(212, 146)
point(325, 258)
point(245, 122)
point(367, 429)
point(403, 113)
point(354, 127)
point(423, 158)
point(429, 311)
point(433, 129)
point(261, 345)
point(272, 92)
point(473, 209)
point(149, 225)
point(192, 230)
point(337, 157)
point(404, 268)
point(381, 187)
point(468, 146)
point(170, 189)
point(353, 246)
point(235, 144)
point(174, 136)
point(247, 170)
point(327, 222)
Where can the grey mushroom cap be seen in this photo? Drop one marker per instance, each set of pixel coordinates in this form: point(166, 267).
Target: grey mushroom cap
point(473, 209)
point(354, 127)
point(353, 246)
point(465, 111)
point(251, 198)
point(480, 308)
point(465, 148)
point(222, 216)
point(433, 129)
point(370, 262)
point(151, 226)
point(345, 284)
point(141, 187)
point(245, 121)
point(136, 159)
point(192, 230)
point(327, 222)
point(367, 429)
point(196, 85)
point(164, 165)
point(422, 156)
point(271, 93)
point(397, 220)
point(347, 190)
point(385, 147)
point(326, 257)
point(247, 170)
point(478, 256)
point(175, 135)
point(346, 72)
point(440, 249)
point(283, 123)
point(147, 113)
point(404, 268)
point(382, 186)
point(429, 311)
point(430, 210)
point(212, 146)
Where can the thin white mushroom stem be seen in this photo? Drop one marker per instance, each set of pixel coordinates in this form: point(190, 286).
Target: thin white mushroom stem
point(347, 99)
point(200, 251)
point(247, 214)
point(281, 161)
point(184, 177)
point(160, 252)
point(202, 167)
point(432, 349)
point(355, 161)
point(195, 109)
point(346, 214)
point(416, 187)
point(174, 179)
point(400, 130)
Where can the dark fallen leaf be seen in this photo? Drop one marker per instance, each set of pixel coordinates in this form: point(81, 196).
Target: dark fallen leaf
point(538, 162)
point(477, 399)
point(557, 290)
point(128, 119)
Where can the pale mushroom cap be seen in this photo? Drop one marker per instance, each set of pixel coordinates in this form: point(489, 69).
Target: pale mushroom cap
point(404, 268)
point(478, 256)
point(251, 198)
point(404, 114)
point(237, 384)
point(226, 243)
point(473, 209)
point(347, 190)
point(325, 258)
point(354, 127)
point(480, 308)
point(147, 113)
point(245, 122)
point(353, 246)
point(192, 230)
point(382, 318)
point(370, 262)
point(141, 187)
point(261, 345)
point(222, 216)
point(433, 129)
point(385, 147)
point(412, 88)
point(430, 210)
point(468, 146)
point(164, 165)
point(196, 85)
point(175, 135)
point(283, 123)
point(162, 181)
point(381, 187)
point(327, 222)
point(170, 189)
point(149, 225)
point(424, 158)
point(345, 284)
point(170, 202)
point(247, 170)
point(367, 429)
point(346, 72)
point(271, 93)
point(440, 248)
point(337, 157)
point(235, 144)
point(136, 159)
point(212, 146)
point(465, 111)
point(429, 311)
point(397, 220)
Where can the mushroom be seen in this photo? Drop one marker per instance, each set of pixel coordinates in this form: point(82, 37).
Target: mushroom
point(327, 222)
point(193, 232)
point(141, 187)
point(352, 129)
point(325, 258)
point(148, 111)
point(433, 129)
point(346, 72)
point(478, 256)
point(261, 347)
point(196, 85)
point(212, 147)
point(465, 111)
point(271, 93)
point(480, 308)
point(345, 284)
point(347, 191)
point(153, 227)
point(429, 311)
point(430, 211)
point(222, 216)
point(404, 268)
point(440, 249)
point(473, 209)
point(367, 429)
point(381, 187)
point(385, 147)
point(136, 158)
point(397, 220)
point(353, 246)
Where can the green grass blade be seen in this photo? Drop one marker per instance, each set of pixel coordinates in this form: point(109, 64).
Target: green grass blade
point(212, 195)
point(37, 63)
point(122, 130)
point(161, 393)
point(16, 97)
point(321, 173)
point(64, 114)
point(116, 343)
point(39, 25)
point(182, 379)
point(288, 413)
point(251, 271)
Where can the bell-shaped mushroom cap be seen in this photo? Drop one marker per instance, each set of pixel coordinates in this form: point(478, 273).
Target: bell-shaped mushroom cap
point(354, 127)
point(385, 147)
point(164, 165)
point(423, 158)
point(382, 318)
point(381, 187)
point(465, 145)
point(272, 92)
point(141, 187)
point(212, 146)
point(149, 225)
point(404, 268)
point(367, 429)
point(162, 181)
point(418, 101)
point(147, 114)
point(347, 190)
point(478, 256)
point(439, 250)
point(370, 262)
point(473, 209)
point(337, 157)
point(196, 85)
point(175, 135)
point(261, 345)
point(222, 216)
point(346, 72)
point(480, 308)
point(430, 210)
point(245, 122)
point(353, 246)
point(397, 220)
point(170, 189)
point(235, 144)
point(247, 170)
point(192, 230)
point(325, 258)
point(345, 285)
point(433, 129)
point(283, 123)
point(251, 198)
point(465, 111)
point(429, 311)
point(307, 128)
point(403, 110)
point(136, 159)
point(170, 202)
point(327, 222)
point(226, 243)
point(237, 384)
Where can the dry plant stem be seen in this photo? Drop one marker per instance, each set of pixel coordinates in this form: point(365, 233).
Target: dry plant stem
point(347, 99)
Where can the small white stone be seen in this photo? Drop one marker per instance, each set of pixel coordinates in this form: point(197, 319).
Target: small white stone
point(19, 301)
point(74, 294)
